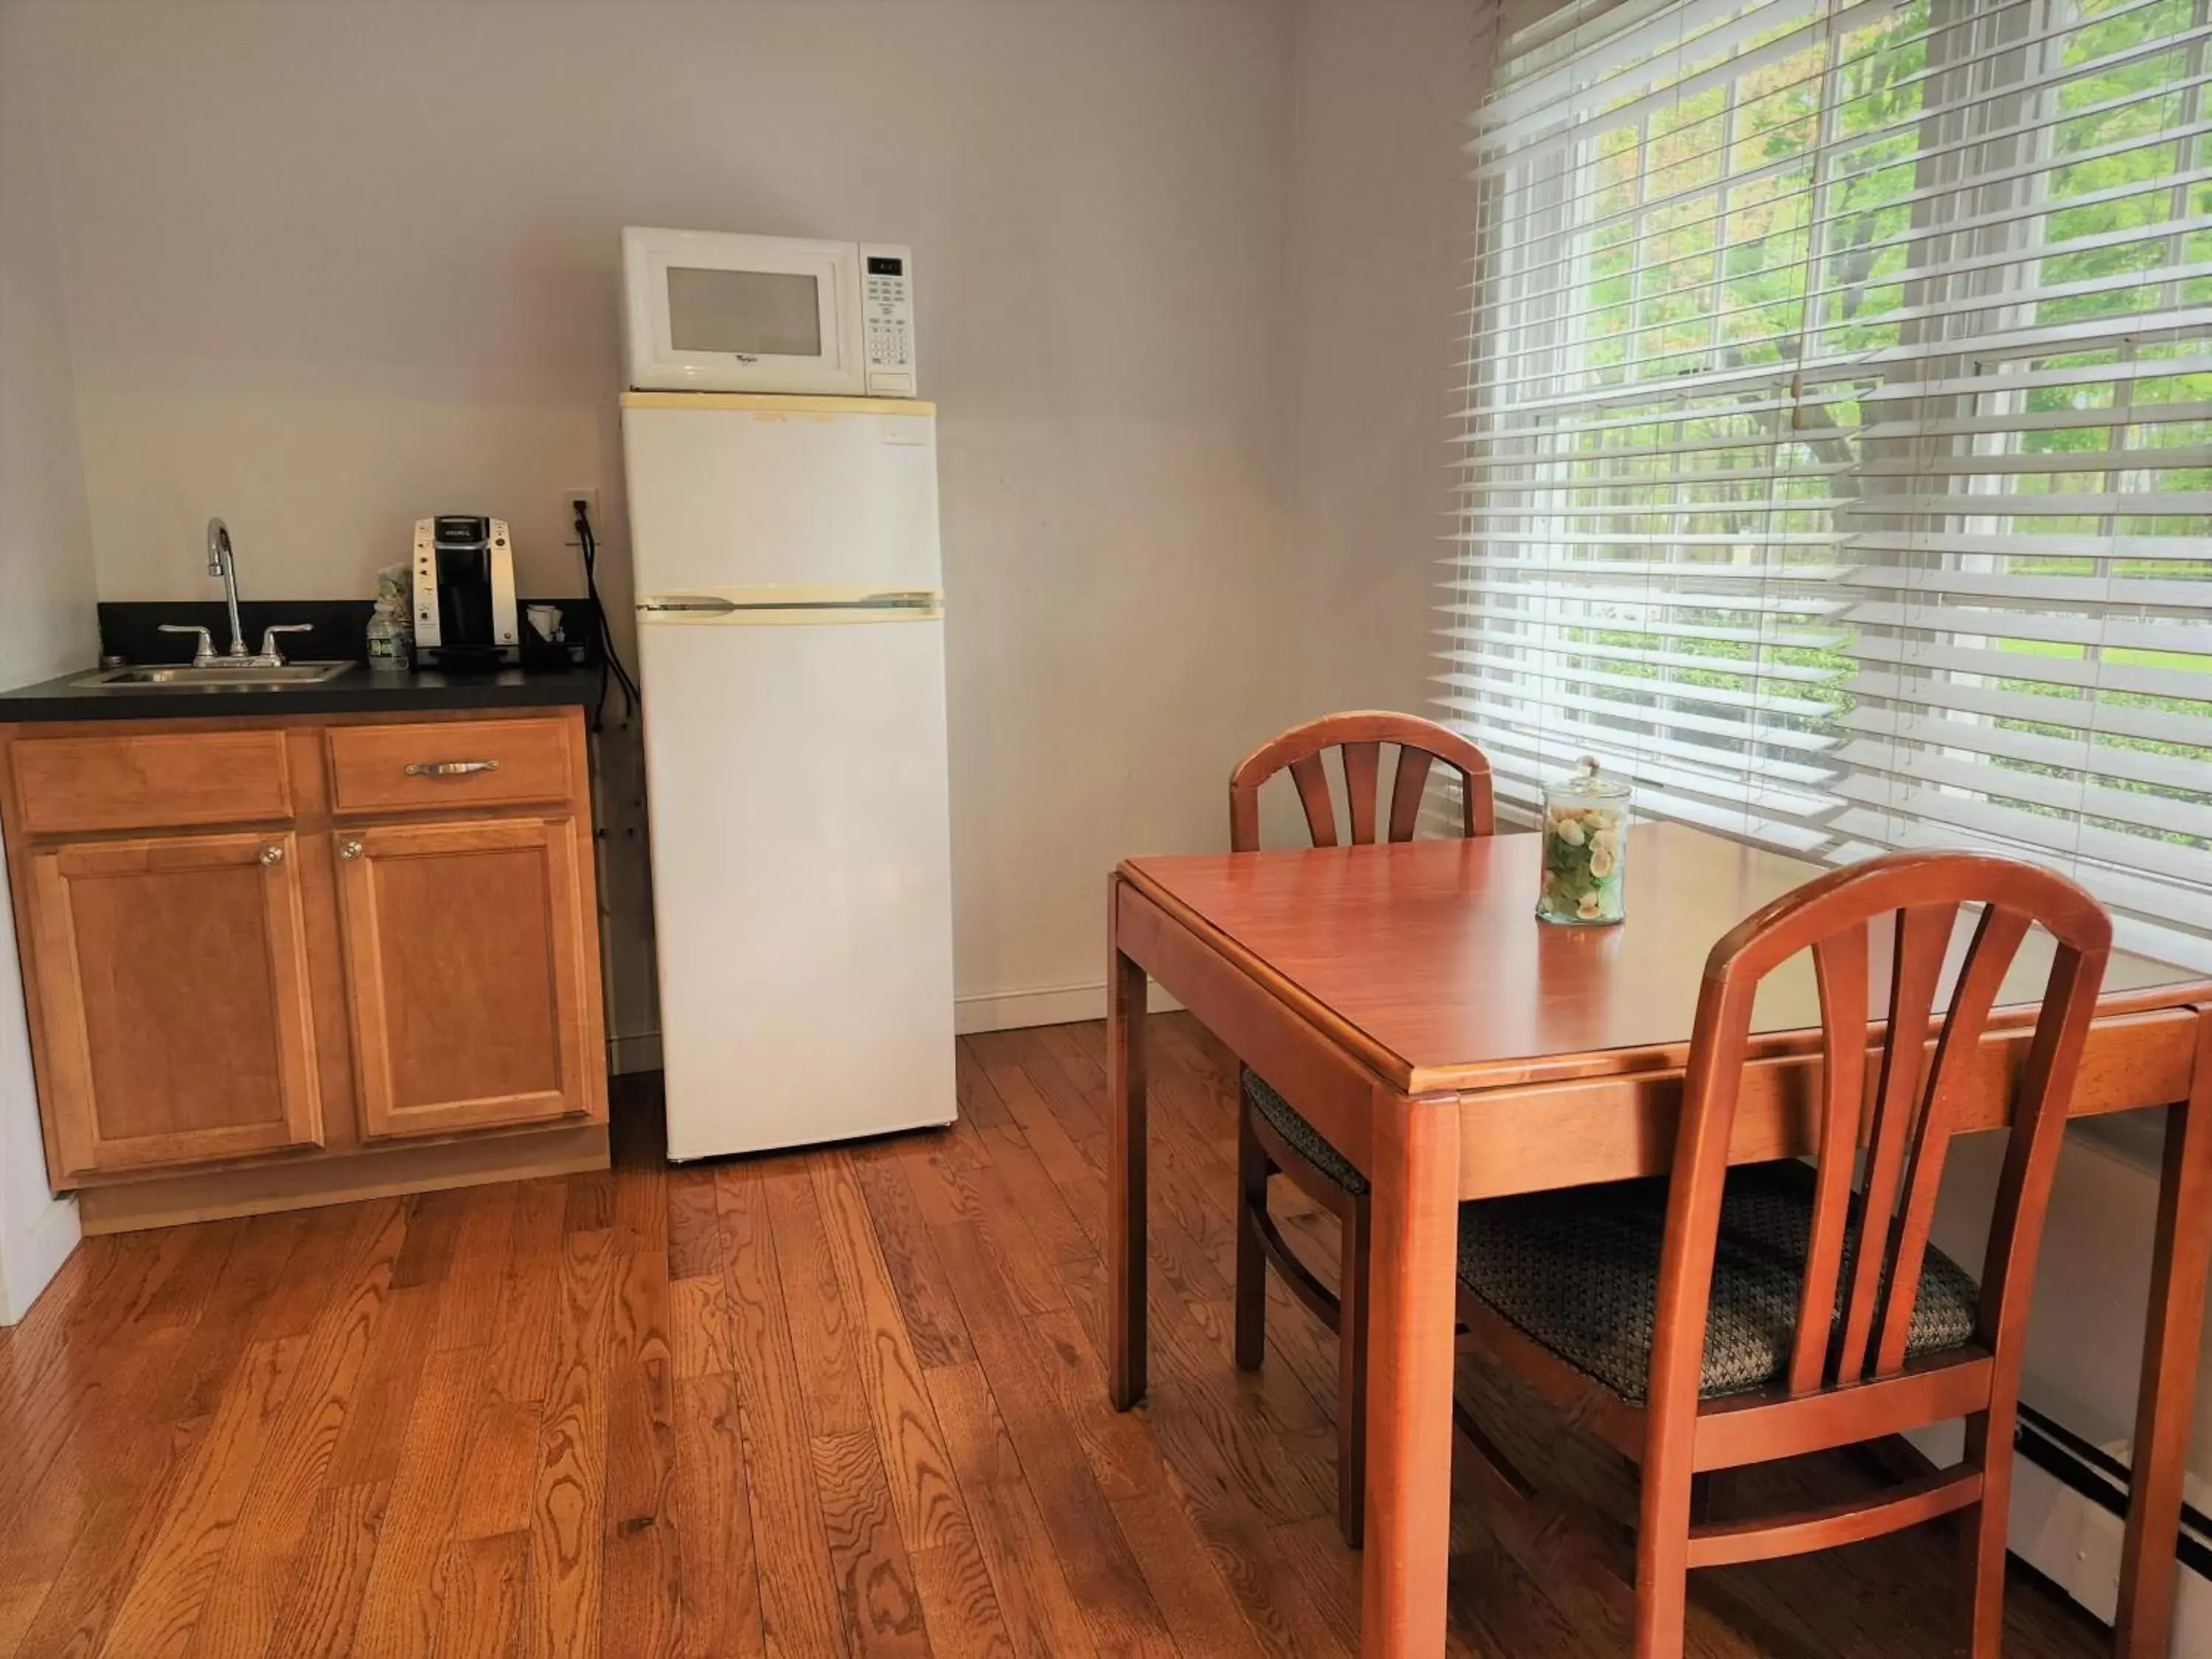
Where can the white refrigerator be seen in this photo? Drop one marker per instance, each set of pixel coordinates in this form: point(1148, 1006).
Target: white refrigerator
point(791, 646)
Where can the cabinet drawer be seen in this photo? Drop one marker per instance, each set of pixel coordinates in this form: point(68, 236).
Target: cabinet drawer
point(150, 780)
point(441, 763)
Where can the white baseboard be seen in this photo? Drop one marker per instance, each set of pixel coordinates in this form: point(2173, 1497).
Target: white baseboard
point(1051, 1004)
point(32, 1260)
point(984, 1011)
point(2076, 1544)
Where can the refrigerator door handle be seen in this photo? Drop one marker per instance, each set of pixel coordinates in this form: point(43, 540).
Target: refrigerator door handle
point(793, 604)
point(686, 604)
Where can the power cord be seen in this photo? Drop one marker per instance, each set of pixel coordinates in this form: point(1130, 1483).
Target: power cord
point(609, 659)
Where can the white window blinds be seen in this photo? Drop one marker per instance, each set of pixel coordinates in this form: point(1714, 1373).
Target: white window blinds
point(1839, 428)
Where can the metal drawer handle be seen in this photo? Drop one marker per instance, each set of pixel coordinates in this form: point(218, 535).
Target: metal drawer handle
point(272, 856)
point(348, 849)
point(448, 768)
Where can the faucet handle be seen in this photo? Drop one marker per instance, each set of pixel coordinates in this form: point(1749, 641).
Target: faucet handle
point(204, 651)
point(269, 638)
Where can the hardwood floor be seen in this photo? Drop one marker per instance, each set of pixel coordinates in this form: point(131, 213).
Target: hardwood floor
point(844, 1401)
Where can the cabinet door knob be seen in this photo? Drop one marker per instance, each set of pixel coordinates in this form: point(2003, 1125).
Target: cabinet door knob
point(272, 856)
point(348, 849)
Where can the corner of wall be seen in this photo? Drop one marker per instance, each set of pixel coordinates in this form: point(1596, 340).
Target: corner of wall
point(48, 624)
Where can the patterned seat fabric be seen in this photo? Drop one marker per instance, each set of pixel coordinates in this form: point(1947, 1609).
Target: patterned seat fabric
point(1305, 1139)
point(1577, 1271)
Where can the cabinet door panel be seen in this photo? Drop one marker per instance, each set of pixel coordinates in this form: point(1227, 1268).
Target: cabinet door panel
point(467, 950)
point(173, 1000)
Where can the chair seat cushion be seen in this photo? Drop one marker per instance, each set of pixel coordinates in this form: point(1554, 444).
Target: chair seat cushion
point(1578, 1271)
point(1306, 1141)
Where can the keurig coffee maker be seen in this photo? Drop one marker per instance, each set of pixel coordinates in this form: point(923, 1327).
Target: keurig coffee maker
point(464, 605)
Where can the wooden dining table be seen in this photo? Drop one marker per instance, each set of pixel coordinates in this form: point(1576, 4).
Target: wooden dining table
point(1407, 1001)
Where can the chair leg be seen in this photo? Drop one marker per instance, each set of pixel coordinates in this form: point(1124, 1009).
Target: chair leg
point(1662, 1559)
point(1982, 1538)
point(1252, 1172)
point(1352, 1375)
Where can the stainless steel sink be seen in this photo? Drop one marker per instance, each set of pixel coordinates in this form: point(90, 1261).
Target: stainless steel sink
point(182, 676)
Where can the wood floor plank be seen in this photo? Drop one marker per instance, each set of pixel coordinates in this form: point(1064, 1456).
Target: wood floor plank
point(321, 1609)
point(699, 1322)
point(373, 1437)
point(1108, 1585)
point(259, 1262)
point(170, 1587)
point(304, 1440)
point(908, 1438)
point(823, 1339)
point(336, 1236)
point(399, 1610)
point(694, 1244)
point(498, 1472)
point(80, 1605)
point(718, 1587)
point(799, 1607)
point(962, 1604)
point(475, 1280)
point(478, 1589)
point(433, 1229)
point(876, 1593)
point(567, 1506)
point(1037, 1606)
point(110, 1442)
point(643, 1575)
point(590, 1205)
point(522, 1336)
point(925, 1301)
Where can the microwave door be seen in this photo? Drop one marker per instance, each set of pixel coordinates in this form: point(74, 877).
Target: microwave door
point(745, 313)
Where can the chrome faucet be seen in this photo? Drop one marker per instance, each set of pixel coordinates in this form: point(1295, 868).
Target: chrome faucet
point(221, 561)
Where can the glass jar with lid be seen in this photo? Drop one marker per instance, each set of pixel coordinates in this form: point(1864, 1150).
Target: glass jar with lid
point(1585, 840)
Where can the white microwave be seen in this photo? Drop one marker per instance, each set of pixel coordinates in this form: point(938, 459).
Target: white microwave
point(709, 312)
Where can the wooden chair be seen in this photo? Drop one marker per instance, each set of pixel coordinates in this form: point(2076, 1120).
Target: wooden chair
point(1728, 1316)
point(1271, 1138)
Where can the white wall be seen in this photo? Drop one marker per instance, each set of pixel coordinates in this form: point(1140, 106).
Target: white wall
point(333, 266)
point(45, 615)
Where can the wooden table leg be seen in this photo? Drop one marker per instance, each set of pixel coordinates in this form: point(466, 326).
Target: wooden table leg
point(2144, 1620)
point(1125, 1082)
point(1414, 1215)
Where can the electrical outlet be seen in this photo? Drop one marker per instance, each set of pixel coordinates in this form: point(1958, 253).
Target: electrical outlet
point(590, 497)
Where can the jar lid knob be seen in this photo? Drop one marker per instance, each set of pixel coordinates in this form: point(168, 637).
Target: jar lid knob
point(1589, 766)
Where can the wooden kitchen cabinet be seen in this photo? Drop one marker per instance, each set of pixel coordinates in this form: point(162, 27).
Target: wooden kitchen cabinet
point(172, 983)
point(277, 961)
point(468, 957)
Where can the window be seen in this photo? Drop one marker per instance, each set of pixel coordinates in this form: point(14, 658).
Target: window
point(1839, 431)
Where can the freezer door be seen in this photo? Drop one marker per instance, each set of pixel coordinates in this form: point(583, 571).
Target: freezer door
point(729, 498)
point(801, 880)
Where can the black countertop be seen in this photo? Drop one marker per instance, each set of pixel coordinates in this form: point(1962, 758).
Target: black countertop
point(357, 691)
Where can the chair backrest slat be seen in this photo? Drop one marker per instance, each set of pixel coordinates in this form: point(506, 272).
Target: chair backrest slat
point(1407, 789)
point(1840, 967)
point(1360, 759)
point(1997, 941)
point(1882, 1151)
point(1312, 779)
point(1922, 936)
point(1359, 737)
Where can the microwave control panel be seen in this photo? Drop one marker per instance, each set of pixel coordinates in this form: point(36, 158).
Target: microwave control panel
point(887, 319)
